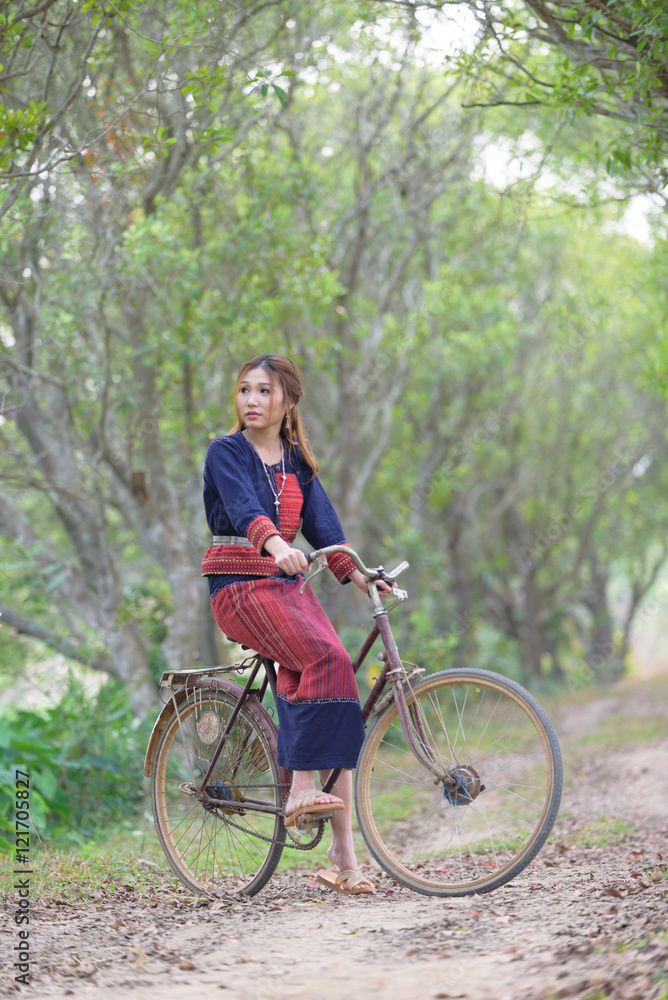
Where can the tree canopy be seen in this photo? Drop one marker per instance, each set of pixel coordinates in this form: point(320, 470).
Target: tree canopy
point(605, 58)
point(189, 185)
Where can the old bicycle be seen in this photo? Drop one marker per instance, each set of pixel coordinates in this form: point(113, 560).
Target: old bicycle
point(457, 787)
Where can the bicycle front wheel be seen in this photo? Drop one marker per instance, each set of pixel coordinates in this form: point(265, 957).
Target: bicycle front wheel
point(226, 849)
point(496, 741)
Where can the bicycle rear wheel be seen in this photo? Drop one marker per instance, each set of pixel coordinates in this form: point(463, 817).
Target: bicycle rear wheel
point(217, 849)
point(497, 741)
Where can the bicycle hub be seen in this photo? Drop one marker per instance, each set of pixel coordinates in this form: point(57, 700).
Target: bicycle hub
point(467, 786)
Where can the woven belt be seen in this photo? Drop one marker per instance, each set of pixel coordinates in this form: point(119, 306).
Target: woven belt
point(231, 540)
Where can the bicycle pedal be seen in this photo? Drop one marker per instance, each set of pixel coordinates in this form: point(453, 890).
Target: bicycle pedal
point(308, 820)
point(385, 700)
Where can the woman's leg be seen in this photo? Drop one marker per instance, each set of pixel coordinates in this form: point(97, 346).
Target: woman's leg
point(342, 851)
point(319, 713)
point(318, 700)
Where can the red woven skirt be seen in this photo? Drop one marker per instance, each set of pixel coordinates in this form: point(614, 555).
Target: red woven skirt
point(320, 719)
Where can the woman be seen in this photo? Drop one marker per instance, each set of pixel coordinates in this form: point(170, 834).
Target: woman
point(260, 485)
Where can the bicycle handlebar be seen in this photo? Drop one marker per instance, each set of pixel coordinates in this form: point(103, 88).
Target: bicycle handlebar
point(370, 573)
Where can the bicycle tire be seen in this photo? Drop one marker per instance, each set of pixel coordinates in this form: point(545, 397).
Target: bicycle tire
point(510, 771)
point(218, 851)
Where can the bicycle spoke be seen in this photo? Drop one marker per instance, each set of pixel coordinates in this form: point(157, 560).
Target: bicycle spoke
point(484, 823)
point(217, 847)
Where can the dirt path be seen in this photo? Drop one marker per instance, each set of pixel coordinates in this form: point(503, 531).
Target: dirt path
point(588, 919)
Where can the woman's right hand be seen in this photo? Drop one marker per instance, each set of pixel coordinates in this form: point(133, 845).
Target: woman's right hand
point(290, 561)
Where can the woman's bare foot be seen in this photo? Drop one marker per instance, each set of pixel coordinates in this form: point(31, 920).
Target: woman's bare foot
point(342, 852)
point(320, 798)
point(343, 860)
point(303, 783)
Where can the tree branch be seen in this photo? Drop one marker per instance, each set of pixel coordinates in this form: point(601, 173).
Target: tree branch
point(27, 626)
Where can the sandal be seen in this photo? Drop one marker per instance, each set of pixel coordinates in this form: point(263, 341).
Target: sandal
point(306, 808)
point(335, 879)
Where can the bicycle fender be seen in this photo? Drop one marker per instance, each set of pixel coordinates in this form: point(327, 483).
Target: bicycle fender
point(259, 712)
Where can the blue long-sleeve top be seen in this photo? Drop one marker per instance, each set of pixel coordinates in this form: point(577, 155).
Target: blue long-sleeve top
point(239, 501)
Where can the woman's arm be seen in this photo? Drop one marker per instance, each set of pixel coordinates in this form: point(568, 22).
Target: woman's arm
point(294, 561)
point(321, 527)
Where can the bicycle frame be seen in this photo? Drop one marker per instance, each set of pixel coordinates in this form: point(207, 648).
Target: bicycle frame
point(392, 671)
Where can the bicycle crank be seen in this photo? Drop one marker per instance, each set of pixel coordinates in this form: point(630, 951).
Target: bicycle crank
point(306, 834)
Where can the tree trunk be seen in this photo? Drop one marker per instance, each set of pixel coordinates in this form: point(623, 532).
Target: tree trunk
point(603, 658)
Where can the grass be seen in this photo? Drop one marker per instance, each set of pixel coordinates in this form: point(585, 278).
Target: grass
point(619, 730)
point(92, 876)
point(631, 945)
point(126, 862)
point(604, 831)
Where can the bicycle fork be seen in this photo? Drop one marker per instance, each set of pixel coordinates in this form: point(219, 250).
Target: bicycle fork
point(410, 715)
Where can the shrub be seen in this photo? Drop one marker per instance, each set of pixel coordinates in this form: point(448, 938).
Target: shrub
point(85, 759)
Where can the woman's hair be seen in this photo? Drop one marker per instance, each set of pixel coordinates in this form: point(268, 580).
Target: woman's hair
point(287, 376)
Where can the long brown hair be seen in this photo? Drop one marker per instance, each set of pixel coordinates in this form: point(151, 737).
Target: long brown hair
point(292, 428)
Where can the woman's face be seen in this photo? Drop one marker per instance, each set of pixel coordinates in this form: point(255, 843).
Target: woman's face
point(261, 400)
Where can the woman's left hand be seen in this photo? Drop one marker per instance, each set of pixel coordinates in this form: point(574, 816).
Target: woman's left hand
point(384, 589)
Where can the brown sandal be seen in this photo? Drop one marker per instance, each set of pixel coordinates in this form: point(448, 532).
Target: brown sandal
point(334, 879)
point(306, 808)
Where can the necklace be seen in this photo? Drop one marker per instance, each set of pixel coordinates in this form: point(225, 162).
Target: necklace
point(277, 496)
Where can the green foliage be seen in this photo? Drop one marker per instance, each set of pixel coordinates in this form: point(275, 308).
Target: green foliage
point(85, 760)
point(473, 361)
point(580, 61)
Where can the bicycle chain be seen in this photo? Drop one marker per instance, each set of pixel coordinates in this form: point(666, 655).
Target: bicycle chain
point(271, 840)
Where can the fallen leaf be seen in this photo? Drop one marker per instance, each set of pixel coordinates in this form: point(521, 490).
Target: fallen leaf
point(657, 875)
point(185, 964)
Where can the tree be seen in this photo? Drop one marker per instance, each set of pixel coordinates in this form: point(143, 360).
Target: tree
point(343, 219)
point(545, 453)
point(604, 58)
point(132, 132)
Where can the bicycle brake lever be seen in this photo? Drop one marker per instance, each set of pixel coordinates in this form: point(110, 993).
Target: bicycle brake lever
point(399, 596)
point(322, 564)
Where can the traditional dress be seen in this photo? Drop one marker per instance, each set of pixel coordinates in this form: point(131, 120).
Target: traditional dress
point(320, 719)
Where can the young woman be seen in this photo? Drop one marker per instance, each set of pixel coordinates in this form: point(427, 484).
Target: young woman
point(260, 487)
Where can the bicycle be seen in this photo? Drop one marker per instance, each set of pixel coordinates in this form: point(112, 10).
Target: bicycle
point(457, 787)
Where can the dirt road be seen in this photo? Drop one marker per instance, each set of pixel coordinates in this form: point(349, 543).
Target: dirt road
point(588, 919)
